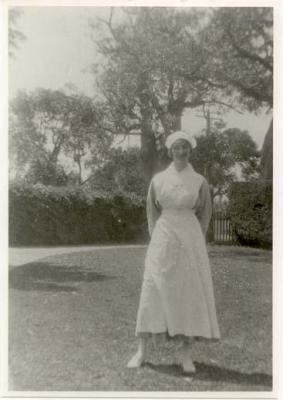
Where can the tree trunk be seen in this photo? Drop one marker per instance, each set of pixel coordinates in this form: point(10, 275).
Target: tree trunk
point(148, 154)
point(55, 152)
point(177, 122)
point(148, 147)
point(266, 162)
point(80, 169)
point(208, 122)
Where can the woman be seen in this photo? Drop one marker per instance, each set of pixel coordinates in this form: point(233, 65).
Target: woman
point(177, 292)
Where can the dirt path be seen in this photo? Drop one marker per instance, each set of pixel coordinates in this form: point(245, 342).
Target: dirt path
point(24, 255)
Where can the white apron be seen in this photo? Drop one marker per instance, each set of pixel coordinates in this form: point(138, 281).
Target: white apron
point(177, 292)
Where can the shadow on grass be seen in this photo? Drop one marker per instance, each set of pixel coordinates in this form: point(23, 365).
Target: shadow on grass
point(246, 253)
point(206, 372)
point(48, 277)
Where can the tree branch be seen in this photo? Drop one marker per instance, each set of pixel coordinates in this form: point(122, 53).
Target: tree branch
point(251, 92)
point(246, 54)
point(210, 83)
point(126, 48)
point(194, 103)
point(86, 180)
point(222, 103)
point(170, 89)
point(160, 112)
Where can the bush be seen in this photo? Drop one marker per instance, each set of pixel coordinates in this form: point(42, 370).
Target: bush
point(46, 215)
point(250, 208)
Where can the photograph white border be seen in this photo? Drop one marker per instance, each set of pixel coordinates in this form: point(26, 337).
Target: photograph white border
point(277, 204)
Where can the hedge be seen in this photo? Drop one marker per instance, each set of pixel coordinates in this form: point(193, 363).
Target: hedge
point(250, 208)
point(46, 215)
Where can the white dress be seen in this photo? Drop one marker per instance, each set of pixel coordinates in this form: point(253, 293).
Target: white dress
point(177, 292)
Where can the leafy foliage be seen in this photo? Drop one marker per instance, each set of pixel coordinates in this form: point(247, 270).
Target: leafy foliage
point(250, 208)
point(244, 61)
point(47, 124)
point(46, 215)
point(154, 71)
point(220, 152)
point(121, 173)
point(46, 173)
point(161, 61)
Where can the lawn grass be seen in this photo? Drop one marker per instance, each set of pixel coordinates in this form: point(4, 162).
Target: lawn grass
point(72, 321)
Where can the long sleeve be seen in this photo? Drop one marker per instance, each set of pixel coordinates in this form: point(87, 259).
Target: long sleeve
point(152, 210)
point(204, 208)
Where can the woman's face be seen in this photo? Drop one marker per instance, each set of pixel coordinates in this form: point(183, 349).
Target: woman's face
point(181, 150)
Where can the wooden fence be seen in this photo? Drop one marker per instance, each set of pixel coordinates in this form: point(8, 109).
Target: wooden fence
point(220, 230)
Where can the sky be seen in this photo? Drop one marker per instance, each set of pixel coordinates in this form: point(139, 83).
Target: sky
point(58, 50)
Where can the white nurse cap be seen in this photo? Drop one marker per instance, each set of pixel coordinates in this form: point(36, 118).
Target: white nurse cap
point(180, 135)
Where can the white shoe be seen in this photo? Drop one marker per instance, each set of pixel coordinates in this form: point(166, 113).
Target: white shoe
point(188, 366)
point(136, 361)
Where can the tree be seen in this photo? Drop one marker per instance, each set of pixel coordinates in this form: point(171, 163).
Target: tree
point(223, 156)
point(243, 63)
point(266, 164)
point(26, 142)
point(244, 152)
point(42, 171)
point(47, 124)
point(160, 61)
point(121, 173)
point(155, 69)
